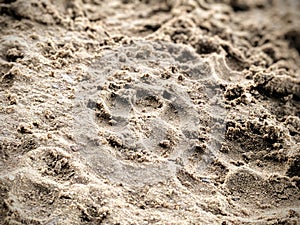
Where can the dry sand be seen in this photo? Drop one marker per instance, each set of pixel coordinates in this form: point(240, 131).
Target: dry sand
point(149, 112)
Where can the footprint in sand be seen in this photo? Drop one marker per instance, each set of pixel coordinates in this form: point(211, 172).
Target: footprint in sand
point(148, 109)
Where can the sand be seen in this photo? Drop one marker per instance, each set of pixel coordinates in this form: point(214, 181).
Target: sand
point(149, 112)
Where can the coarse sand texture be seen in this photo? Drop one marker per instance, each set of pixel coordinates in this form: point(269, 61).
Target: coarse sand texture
point(135, 112)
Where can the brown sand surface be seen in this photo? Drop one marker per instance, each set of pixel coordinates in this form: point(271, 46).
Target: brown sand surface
point(149, 112)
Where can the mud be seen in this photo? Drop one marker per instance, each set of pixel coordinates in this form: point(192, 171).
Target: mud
point(149, 112)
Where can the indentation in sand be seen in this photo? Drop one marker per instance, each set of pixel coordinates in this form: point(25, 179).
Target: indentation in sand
point(137, 118)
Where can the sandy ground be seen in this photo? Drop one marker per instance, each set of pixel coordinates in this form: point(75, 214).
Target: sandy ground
point(149, 112)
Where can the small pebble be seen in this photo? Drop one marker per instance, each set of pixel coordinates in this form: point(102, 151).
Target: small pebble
point(165, 144)
point(55, 86)
point(205, 180)
point(235, 198)
point(11, 177)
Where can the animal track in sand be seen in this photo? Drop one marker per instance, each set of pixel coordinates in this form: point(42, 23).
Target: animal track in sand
point(147, 109)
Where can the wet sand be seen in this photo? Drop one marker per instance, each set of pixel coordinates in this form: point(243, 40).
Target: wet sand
point(149, 112)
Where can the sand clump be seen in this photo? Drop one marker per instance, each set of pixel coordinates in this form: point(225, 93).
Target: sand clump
point(149, 112)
